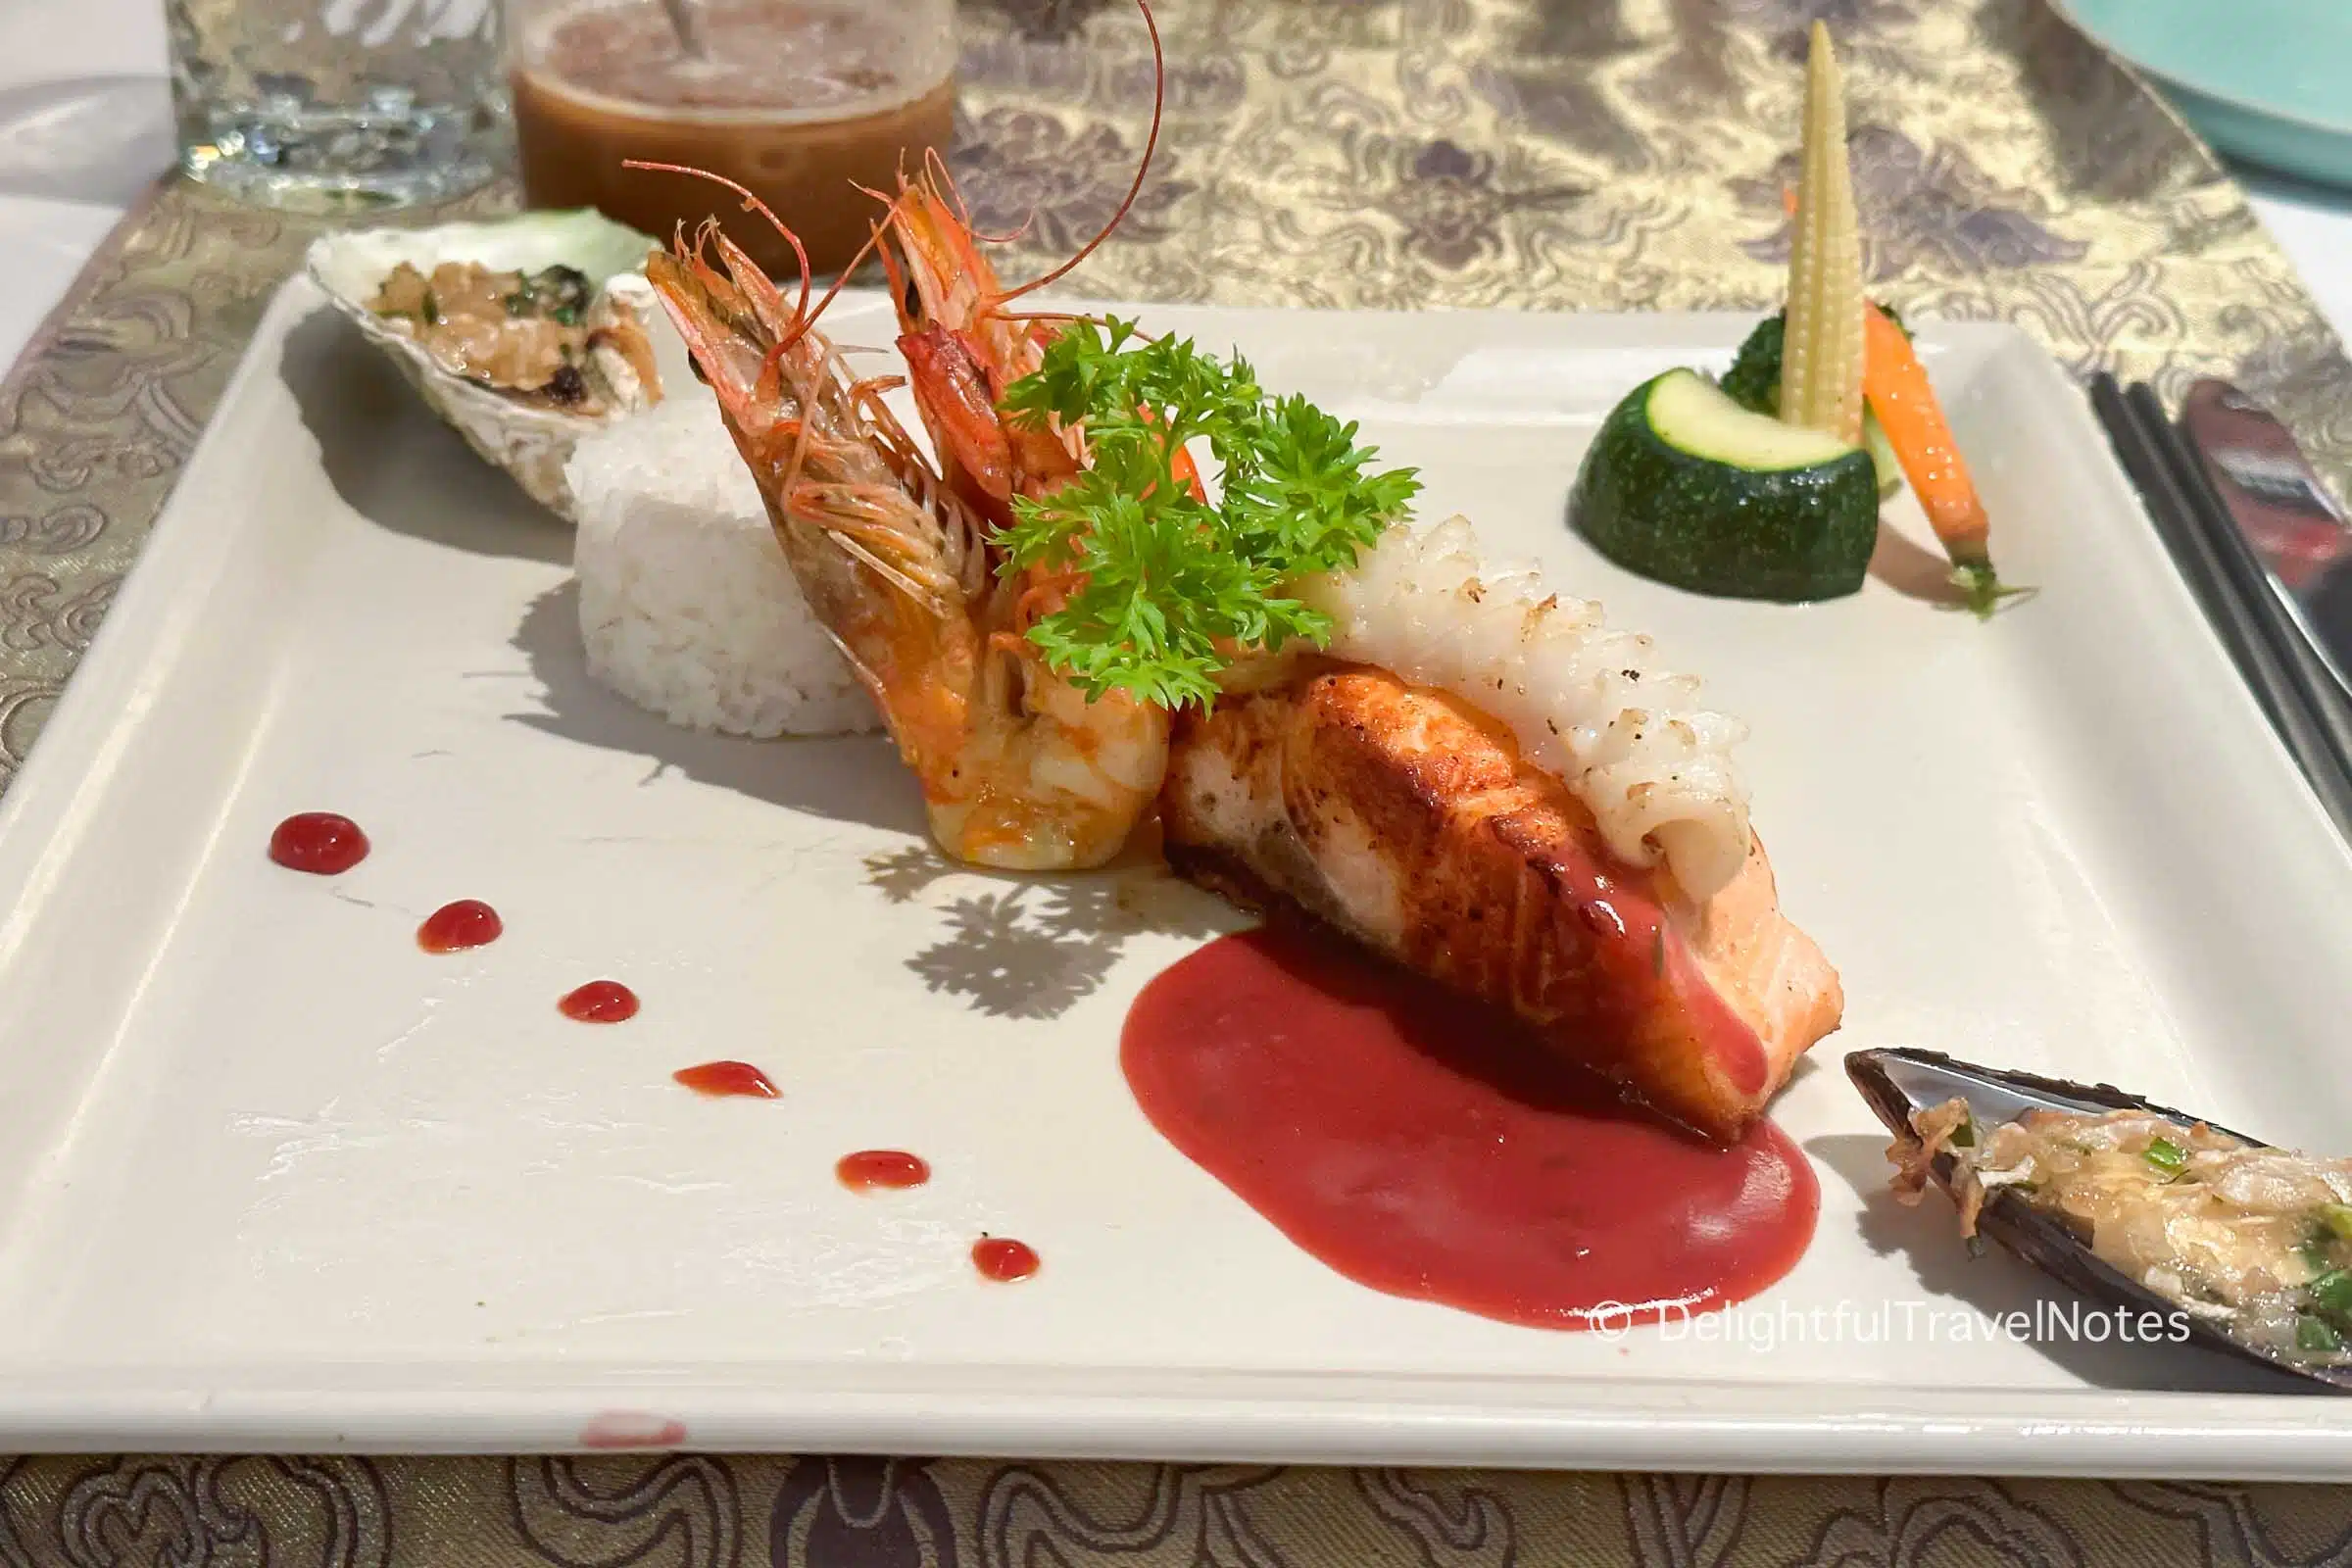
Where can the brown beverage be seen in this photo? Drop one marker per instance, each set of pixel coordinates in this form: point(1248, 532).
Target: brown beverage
point(798, 102)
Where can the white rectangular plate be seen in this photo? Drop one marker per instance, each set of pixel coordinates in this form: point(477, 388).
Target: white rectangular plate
point(270, 1178)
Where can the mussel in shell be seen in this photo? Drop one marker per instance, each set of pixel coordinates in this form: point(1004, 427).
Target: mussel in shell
point(2246, 1246)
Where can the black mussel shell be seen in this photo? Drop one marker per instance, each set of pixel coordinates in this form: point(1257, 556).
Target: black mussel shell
point(1898, 1082)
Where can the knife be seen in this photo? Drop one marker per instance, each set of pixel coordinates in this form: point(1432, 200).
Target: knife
point(2296, 530)
point(2237, 582)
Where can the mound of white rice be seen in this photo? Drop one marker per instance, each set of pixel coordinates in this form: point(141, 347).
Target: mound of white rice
point(686, 605)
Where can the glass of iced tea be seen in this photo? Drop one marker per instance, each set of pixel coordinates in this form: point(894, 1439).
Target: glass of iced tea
point(798, 101)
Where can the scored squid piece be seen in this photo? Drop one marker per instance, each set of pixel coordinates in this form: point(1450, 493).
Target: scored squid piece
point(1632, 920)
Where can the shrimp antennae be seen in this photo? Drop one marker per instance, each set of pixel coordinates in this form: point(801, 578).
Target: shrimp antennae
point(936, 167)
point(751, 203)
point(840, 280)
point(1159, 95)
point(804, 318)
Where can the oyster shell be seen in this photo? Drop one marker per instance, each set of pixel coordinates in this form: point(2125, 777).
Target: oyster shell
point(1898, 1082)
point(530, 441)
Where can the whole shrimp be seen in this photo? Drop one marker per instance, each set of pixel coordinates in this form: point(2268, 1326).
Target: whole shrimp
point(1020, 770)
point(963, 346)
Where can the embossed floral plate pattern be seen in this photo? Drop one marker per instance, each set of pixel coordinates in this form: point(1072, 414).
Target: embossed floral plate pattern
point(276, 1178)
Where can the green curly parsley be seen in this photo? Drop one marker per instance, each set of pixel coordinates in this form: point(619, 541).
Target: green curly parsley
point(1168, 575)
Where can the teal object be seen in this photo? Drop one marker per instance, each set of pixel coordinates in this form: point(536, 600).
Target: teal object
point(2269, 81)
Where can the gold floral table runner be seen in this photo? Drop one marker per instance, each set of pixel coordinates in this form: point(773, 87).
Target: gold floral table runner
point(713, 1511)
point(1530, 154)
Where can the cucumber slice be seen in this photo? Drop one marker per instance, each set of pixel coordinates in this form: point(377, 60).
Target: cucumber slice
point(1686, 487)
point(1754, 382)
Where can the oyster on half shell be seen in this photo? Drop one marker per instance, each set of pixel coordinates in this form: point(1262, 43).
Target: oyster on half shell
point(527, 433)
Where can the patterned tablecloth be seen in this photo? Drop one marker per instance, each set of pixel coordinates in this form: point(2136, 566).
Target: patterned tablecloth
point(1539, 154)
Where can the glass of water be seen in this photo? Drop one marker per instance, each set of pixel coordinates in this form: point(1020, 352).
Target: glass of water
point(329, 104)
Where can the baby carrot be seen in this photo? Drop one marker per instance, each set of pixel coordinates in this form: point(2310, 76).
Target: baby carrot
point(1895, 385)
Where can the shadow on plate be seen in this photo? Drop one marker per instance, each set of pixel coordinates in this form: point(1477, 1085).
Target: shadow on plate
point(398, 466)
point(1997, 1285)
point(86, 139)
point(855, 779)
point(1008, 947)
point(1033, 946)
point(1913, 570)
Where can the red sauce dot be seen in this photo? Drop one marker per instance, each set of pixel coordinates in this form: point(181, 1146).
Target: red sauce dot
point(455, 927)
point(1004, 1259)
point(870, 1168)
point(631, 1429)
point(600, 1001)
point(728, 1078)
point(321, 843)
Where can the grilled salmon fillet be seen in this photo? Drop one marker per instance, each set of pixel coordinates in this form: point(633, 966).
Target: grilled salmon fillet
point(1408, 820)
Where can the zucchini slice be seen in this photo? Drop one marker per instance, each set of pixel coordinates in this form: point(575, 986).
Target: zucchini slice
point(1754, 382)
point(1686, 487)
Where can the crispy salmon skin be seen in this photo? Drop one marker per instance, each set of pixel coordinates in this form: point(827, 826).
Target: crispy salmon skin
point(1408, 820)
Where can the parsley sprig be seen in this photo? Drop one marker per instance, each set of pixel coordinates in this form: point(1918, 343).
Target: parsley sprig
point(1169, 576)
